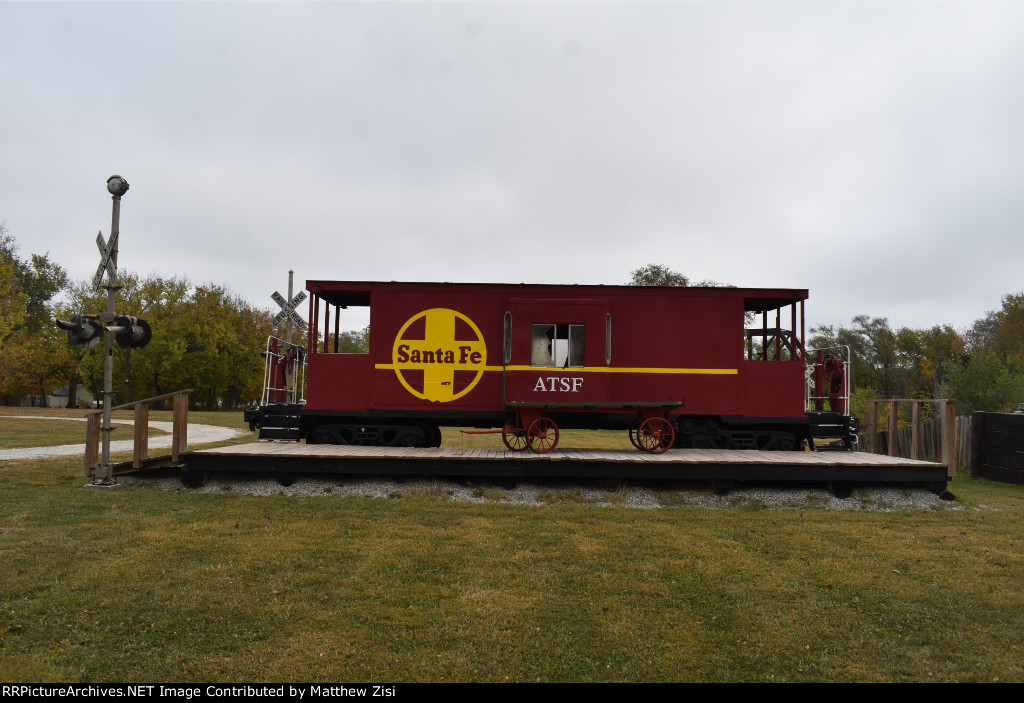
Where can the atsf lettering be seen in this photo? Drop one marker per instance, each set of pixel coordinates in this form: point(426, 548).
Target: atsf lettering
point(558, 384)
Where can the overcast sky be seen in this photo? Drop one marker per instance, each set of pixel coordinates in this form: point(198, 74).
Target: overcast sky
point(871, 152)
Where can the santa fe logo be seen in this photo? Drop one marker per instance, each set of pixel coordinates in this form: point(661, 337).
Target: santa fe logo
point(439, 355)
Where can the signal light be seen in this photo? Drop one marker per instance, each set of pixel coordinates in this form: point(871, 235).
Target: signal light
point(131, 332)
point(117, 186)
point(82, 332)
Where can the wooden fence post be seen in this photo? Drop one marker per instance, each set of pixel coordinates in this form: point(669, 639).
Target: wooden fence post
point(873, 428)
point(92, 444)
point(892, 428)
point(915, 431)
point(179, 438)
point(949, 436)
point(977, 432)
point(140, 449)
point(140, 443)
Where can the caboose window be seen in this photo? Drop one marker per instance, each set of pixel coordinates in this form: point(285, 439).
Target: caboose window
point(342, 322)
point(559, 345)
point(771, 341)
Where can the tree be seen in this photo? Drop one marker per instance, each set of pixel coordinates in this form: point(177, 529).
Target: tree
point(657, 275)
point(986, 383)
point(30, 348)
point(990, 373)
point(12, 299)
point(1007, 338)
point(204, 338)
point(872, 352)
point(927, 357)
point(351, 341)
point(981, 368)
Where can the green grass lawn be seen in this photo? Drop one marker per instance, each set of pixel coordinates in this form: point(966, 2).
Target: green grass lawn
point(139, 584)
point(16, 433)
point(41, 431)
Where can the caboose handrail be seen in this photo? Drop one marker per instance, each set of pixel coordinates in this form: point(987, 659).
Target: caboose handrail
point(812, 401)
point(284, 378)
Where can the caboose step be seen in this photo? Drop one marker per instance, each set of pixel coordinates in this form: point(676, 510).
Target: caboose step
point(279, 434)
point(826, 426)
point(843, 446)
point(280, 422)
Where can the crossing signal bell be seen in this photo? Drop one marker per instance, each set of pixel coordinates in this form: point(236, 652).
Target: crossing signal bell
point(82, 332)
point(131, 332)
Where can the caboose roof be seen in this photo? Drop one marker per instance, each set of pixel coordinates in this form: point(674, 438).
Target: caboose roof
point(357, 293)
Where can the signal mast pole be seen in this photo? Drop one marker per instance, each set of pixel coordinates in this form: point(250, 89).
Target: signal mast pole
point(288, 325)
point(117, 187)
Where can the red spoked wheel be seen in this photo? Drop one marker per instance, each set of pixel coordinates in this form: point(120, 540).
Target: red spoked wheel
point(542, 435)
point(633, 430)
point(655, 435)
point(514, 436)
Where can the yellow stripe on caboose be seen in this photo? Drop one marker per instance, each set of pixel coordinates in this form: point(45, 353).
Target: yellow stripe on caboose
point(614, 369)
point(584, 369)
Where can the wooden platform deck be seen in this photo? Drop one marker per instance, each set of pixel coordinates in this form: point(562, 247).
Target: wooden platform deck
point(693, 464)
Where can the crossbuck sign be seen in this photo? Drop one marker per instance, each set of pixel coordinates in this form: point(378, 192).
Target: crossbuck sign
point(288, 309)
point(107, 263)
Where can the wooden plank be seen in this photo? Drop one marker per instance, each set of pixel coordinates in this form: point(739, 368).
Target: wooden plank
point(721, 457)
point(1000, 473)
point(1012, 459)
point(1005, 422)
point(1002, 440)
point(915, 432)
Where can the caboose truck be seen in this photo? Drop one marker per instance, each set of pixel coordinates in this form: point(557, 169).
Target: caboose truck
point(675, 367)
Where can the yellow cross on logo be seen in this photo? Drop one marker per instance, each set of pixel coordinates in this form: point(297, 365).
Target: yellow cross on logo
point(439, 354)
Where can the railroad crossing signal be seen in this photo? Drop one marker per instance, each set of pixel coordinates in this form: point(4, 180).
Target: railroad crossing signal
point(82, 331)
point(131, 332)
point(108, 259)
point(288, 309)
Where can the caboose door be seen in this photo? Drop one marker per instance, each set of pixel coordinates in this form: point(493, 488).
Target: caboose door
point(556, 352)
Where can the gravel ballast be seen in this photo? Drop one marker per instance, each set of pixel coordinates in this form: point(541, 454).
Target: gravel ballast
point(535, 493)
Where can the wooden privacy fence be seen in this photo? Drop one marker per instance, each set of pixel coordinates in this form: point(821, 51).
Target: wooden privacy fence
point(914, 441)
point(997, 446)
point(140, 444)
point(931, 440)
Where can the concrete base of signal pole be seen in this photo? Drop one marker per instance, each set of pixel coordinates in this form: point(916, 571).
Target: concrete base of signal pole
point(104, 486)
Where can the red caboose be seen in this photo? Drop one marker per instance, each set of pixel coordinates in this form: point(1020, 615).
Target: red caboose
point(685, 367)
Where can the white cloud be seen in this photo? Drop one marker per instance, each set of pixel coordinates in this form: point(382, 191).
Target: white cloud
point(870, 152)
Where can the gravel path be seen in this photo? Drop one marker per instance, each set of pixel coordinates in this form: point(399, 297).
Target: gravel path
point(197, 434)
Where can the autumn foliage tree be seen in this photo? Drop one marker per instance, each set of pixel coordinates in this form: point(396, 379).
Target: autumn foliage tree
point(30, 356)
point(204, 338)
point(981, 368)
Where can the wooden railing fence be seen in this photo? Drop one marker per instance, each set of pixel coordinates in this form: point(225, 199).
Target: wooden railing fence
point(948, 452)
point(140, 444)
point(930, 439)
